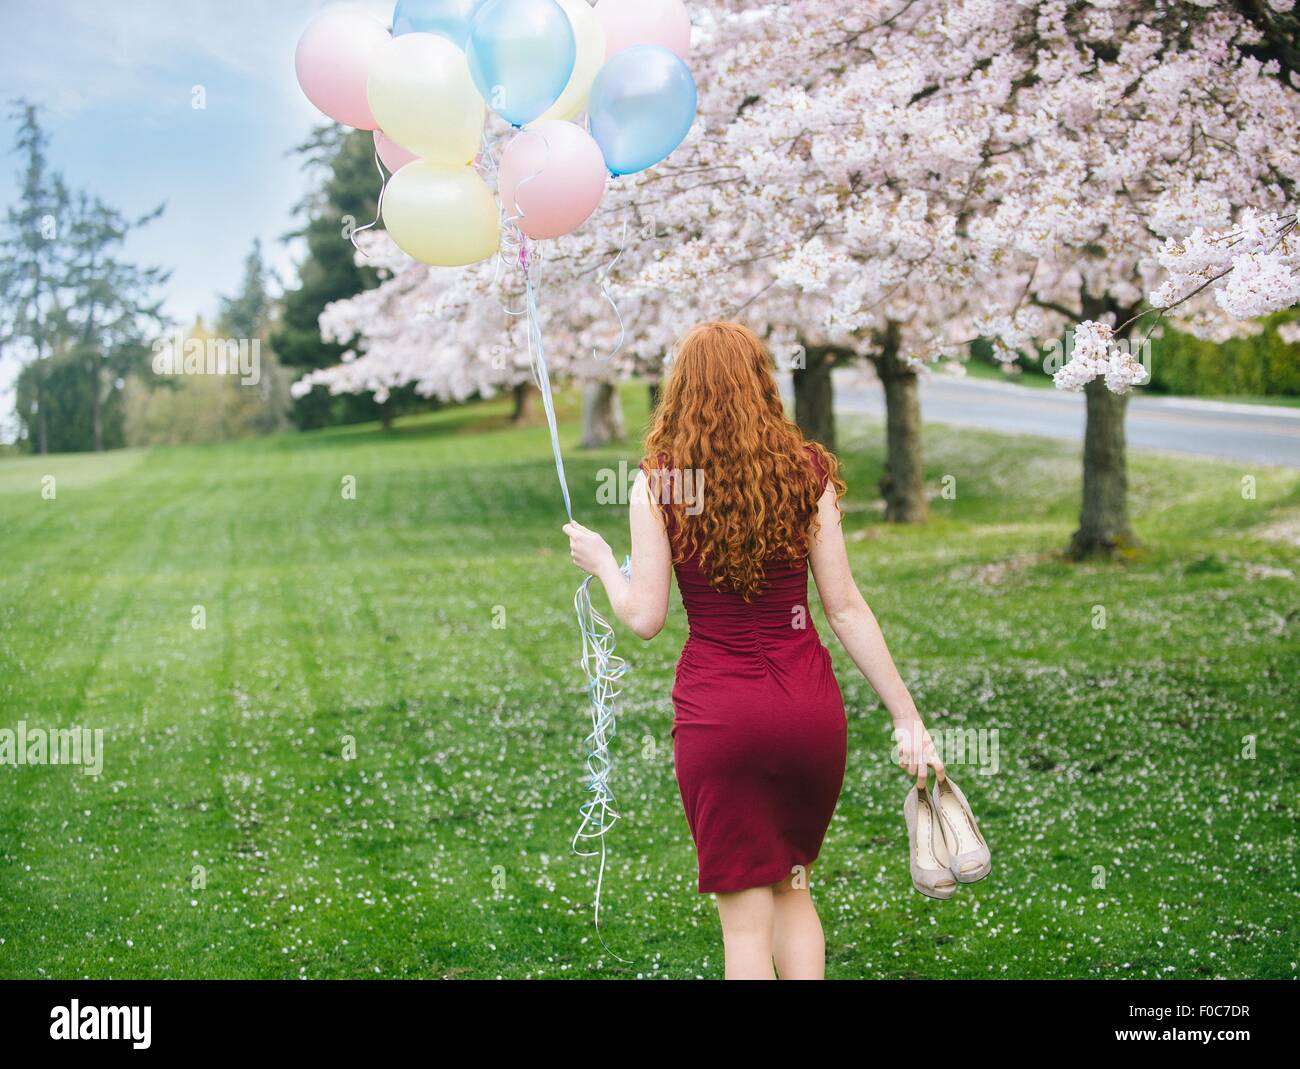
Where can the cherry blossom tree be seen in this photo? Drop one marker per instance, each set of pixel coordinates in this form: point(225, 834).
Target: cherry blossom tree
point(958, 170)
point(893, 180)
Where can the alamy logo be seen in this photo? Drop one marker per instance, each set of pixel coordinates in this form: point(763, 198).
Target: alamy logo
point(670, 486)
point(179, 355)
point(102, 1022)
point(56, 746)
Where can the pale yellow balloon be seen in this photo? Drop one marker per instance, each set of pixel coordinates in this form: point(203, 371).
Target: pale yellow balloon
point(422, 96)
point(444, 216)
point(590, 37)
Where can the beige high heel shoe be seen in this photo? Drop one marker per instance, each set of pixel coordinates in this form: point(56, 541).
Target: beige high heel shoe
point(968, 853)
point(927, 850)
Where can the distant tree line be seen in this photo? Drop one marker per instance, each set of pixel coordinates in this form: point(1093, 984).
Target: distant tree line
point(73, 311)
point(85, 323)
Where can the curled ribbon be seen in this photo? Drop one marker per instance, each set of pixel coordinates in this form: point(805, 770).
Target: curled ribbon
point(379, 208)
point(604, 292)
point(602, 667)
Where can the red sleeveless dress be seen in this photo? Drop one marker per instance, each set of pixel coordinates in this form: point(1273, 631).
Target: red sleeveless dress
point(759, 734)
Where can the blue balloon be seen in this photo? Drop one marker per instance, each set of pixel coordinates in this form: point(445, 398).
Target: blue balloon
point(521, 53)
point(446, 18)
point(641, 106)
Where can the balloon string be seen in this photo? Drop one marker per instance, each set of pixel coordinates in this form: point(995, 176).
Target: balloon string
point(546, 162)
point(512, 237)
point(603, 669)
point(604, 292)
point(537, 359)
point(379, 208)
point(486, 164)
point(601, 666)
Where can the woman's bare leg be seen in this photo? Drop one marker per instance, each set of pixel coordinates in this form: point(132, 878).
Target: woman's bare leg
point(797, 940)
point(747, 918)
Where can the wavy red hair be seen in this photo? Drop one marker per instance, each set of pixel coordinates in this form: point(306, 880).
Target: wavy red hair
point(720, 414)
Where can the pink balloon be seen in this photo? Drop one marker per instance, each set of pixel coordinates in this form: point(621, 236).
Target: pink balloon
point(645, 22)
point(392, 154)
point(552, 176)
point(333, 63)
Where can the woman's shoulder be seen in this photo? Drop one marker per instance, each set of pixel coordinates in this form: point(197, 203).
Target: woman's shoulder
point(818, 458)
point(655, 473)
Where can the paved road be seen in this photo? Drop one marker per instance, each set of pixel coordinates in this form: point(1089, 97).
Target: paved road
point(1260, 433)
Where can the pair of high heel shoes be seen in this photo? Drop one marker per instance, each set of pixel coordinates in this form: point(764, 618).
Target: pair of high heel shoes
point(946, 847)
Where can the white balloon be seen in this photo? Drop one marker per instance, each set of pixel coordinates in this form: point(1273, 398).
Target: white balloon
point(590, 37)
point(423, 98)
point(445, 216)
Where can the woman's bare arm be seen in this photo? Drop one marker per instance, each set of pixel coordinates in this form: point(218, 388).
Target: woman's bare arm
point(641, 602)
point(855, 626)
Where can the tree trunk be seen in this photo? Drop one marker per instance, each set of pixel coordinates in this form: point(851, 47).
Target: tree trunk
point(221, 407)
point(96, 405)
point(1103, 519)
point(814, 396)
point(525, 398)
point(386, 417)
point(96, 370)
point(602, 415)
point(1103, 515)
point(654, 397)
point(903, 483)
point(42, 425)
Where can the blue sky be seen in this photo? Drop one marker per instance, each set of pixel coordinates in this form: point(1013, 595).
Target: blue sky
point(116, 81)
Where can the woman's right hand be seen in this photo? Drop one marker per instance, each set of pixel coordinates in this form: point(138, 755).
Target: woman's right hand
point(587, 549)
point(916, 751)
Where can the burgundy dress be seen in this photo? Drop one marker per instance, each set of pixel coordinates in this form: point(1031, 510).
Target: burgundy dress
point(759, 735)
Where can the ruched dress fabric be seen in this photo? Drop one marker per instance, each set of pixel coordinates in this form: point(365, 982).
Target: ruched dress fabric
point(759, 734)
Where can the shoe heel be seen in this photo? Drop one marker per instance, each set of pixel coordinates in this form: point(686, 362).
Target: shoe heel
point(927, 851)
point(969, 860)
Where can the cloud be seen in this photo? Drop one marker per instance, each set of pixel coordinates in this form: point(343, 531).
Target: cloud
point(77, 54)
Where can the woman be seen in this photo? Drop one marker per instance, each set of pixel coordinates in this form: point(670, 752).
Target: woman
point(733, 500)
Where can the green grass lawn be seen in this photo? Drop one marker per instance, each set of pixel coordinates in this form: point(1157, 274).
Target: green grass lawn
point(1132, 834)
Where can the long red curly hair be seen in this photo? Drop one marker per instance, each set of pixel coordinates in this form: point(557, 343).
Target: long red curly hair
point(720, 414)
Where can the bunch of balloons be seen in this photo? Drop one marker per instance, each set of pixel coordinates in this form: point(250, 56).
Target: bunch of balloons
point(425, 89)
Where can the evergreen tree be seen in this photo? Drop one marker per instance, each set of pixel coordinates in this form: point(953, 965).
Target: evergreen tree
point(250, 313)
point(247, 313)
point(347, 197)
point(66, 386)
point(345, 200)
point(113, 310)
point(32, 267)
point(75, 312)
